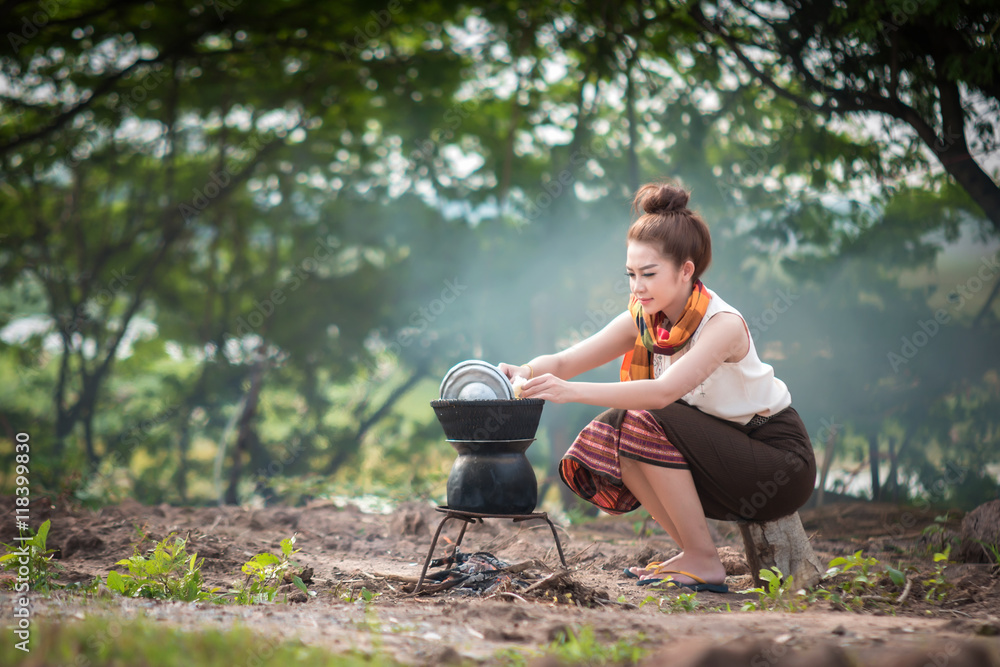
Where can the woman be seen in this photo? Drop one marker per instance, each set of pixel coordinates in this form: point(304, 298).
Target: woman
point(699, 426)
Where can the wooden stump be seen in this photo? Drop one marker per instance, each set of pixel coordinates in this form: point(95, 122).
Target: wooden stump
point(783, 544)
point(980, 534)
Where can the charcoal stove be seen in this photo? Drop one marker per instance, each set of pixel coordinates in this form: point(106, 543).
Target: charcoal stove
point(473, 517)
point(491, 477)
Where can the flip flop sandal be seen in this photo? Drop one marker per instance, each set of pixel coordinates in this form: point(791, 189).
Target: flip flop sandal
point(699, 585)
point(632, 575)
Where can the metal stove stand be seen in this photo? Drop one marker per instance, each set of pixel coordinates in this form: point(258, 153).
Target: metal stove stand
point(473, 517)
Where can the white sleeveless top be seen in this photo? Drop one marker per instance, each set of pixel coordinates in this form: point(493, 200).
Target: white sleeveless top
point(735, 391)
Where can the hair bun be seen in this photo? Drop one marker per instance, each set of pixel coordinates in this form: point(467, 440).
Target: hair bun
point(661, 198)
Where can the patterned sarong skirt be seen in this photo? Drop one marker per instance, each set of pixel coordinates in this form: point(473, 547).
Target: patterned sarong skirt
point(749, 473)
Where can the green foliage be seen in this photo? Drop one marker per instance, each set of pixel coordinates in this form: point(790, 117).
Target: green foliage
point(580, 647)
point(937, 585)
point(778, 593)
point(265, 573)
point(102, 640)
point(859, 566)
point(992, 549)
point(682, 602)
point(41, 568)
point(583, 647)
point(641, 525)
point(860, 580)
point(168, 573)
point(578, 513)
point(935, 533)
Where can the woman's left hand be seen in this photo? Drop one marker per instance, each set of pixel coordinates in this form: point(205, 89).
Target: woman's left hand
point(550, 388)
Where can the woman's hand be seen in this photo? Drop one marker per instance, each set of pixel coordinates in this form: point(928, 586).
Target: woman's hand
point(512, 371)
point(550, 388)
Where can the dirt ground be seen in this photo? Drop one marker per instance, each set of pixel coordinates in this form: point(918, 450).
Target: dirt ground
point(348, 550)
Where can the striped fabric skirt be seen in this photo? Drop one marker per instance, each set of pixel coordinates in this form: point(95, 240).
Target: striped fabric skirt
point(752, 473)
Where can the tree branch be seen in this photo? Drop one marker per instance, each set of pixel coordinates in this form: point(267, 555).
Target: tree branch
point(68, 115)
point(735, 47)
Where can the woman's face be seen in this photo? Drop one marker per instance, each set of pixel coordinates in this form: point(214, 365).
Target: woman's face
point(656, 281)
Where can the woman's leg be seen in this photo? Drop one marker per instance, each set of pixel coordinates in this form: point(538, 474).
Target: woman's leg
point(636, 482)
point(671, 493)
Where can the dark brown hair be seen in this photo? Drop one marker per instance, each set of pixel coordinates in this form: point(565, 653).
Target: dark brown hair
point(666, 223)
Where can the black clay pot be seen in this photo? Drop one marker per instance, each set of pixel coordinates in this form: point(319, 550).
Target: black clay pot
point(492, 477)
point(496, 419)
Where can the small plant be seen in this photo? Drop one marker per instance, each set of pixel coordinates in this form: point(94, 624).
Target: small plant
point(779, 593)
point(168, 573)
point(684, 602)
point(641, 526)
point(265, 573)
point(935, 533)
point(582, 647)
point(577, 514)
point(863, 578)
point(41, 568)
point(512, 657)
point(861, 582)
point(579, 647)
point(351, 594)
point(992, 550)
point(937, 585)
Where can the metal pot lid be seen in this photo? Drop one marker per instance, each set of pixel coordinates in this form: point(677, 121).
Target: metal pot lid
point(476, 380)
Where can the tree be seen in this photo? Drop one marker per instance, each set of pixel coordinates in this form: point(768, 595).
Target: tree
point(929, 66)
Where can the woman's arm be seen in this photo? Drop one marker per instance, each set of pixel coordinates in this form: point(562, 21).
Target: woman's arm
point(611, 342)
point(724, 339)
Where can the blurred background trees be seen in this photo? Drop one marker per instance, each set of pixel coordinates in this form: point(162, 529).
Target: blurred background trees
point(242, 243)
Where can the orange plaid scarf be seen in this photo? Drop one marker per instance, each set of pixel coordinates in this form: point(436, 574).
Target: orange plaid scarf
point(638, 363)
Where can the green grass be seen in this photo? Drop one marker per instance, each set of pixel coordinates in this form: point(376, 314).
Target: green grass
point(581, 647)
point(127, 643)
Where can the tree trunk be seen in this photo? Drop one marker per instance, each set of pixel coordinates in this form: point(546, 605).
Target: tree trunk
point(783, 544)
point(244, 434)
point(892, 481)
point(873, 457)
point(559, 442)
point(368, 422)
point(633, 130)
point(828, 453)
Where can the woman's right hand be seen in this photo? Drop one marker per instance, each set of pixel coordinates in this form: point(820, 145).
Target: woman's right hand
point(512, 371)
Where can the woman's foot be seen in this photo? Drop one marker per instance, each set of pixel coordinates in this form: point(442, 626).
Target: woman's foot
point(709, 570)
point(645, 572)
